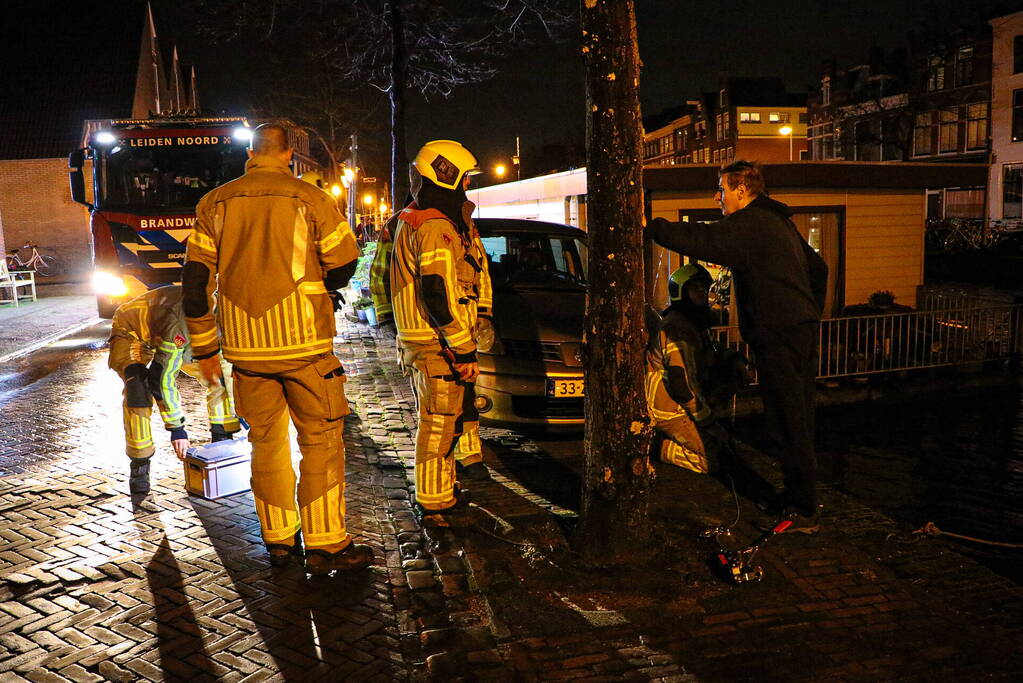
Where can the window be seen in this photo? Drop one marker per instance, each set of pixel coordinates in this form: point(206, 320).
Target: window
point(749, 117)
point(923, 134)
point(726, 125)
point(804, 117)
point(1017, 54)
point(976, 126)
point(778, 117)
point(948, 130)
point(964, 66)
point(1012, 191)
point(826, 90)
point(935, 73)
point(1017, 115)
point(722, 99)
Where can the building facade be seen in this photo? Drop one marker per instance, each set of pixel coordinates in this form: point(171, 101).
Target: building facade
point(1005, 178)
point(747, 118)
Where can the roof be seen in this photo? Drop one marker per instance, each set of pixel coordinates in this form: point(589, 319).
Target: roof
point(489, 226)
point(63, 67)
point(846, 175)
point(762, 92)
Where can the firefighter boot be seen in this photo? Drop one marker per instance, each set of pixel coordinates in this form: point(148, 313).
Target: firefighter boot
point(138, 477)
point(353, 556)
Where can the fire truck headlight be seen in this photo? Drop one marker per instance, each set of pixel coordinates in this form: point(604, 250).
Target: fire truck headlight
point(105, 137)
point(242, 134)
point(107, 284)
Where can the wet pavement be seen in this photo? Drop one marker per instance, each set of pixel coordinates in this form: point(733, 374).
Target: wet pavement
point(97, 586)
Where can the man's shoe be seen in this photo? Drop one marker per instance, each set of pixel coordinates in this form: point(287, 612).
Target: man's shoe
point(281, 554)
point(798, 523)
point(218, 433)
point(138, 476)
point(444, 517)
point(353, 556)
point(474, 472)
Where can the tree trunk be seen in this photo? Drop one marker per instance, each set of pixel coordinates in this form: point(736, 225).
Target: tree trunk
point(617, 474)
point(396, 95)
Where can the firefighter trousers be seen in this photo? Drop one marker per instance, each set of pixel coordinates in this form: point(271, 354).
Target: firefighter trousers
point(312, 392)
point(681, 443)
point(468, 448)
point(138, 434)
point(445, 409)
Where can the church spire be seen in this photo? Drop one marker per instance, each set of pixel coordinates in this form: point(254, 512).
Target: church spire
point(150, 85)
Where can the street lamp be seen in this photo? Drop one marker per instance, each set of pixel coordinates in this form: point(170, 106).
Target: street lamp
point(787, 130)
point(335, 190)
point(500, 170)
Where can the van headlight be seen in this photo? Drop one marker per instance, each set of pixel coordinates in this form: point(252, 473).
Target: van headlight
point(108, 284)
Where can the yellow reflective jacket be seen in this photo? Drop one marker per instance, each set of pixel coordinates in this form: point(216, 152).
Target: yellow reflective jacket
point(151, 327)
point(429, 249)
point(677, 343)
point(268, 239)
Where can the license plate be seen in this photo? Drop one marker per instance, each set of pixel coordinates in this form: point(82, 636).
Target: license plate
point(565, 388)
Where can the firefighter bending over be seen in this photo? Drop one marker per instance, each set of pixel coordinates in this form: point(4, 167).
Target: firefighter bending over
point(148, 348)
point(469, 449)
point(273, 246)
point(437, 282)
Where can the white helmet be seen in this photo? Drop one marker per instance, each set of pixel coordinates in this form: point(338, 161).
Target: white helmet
point(445, 163)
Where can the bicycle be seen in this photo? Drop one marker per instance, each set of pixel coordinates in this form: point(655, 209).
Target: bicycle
point(40, 263)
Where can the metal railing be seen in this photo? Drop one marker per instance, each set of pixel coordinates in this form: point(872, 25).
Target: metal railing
point(873, 344)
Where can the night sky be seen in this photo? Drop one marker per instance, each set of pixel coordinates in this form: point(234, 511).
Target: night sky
point(538, 93)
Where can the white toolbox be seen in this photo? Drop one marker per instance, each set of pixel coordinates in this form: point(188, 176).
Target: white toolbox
point(218, 469)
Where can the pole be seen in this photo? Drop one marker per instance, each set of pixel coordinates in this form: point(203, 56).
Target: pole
point(353, 190)
point(790, 143)
point(518, 160)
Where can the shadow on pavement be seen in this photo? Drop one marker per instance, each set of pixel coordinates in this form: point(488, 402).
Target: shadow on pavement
point(180, 639)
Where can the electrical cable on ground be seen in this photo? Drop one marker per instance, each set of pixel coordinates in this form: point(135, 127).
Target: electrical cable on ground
point(931, 529)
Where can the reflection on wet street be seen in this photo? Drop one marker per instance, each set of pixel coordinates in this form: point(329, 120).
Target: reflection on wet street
point(955, 460)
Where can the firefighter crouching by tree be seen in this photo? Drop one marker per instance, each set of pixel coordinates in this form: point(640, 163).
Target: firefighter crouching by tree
point(469, 449)
point(437, 274)
point(148, 348)
point(682, 366)
point(272, 246)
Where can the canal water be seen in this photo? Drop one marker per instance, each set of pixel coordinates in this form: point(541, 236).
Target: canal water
point(954, 459)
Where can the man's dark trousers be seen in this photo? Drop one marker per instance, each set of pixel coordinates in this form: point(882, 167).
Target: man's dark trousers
point(786, 363)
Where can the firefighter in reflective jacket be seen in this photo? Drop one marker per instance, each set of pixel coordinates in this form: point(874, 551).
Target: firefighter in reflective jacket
point(468, 450)
point(148, 348)
point(679, 359)
point(437, 280)
point(273, 247)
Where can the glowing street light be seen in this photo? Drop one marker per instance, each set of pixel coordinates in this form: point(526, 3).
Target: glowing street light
point(335, 190)
point(787, 130)
point(368, 199)
point(500, 170)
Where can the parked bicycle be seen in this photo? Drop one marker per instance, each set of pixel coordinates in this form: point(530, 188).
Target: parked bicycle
point(42, 264)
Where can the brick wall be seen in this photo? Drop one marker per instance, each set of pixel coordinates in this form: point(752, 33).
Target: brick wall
point(35, 204)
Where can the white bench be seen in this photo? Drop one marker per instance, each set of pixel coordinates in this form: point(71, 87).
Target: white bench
point(16, 285)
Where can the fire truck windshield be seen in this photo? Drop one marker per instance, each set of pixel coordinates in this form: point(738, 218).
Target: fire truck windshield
point(168, 179)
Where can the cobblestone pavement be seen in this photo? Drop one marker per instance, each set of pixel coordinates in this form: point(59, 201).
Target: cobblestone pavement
point(96, 586)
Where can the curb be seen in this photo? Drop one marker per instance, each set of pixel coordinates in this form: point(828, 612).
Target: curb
point(25, 350)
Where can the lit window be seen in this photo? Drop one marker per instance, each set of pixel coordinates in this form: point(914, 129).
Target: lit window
point(976, 126)
point(935, 73)
point(948, 133)
point(923, 134)
point(749, 117)
point(1017, 115)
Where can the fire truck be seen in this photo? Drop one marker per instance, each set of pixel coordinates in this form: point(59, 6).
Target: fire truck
point(147, 176)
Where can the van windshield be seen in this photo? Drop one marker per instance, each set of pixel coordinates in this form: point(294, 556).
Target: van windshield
point(537, 261)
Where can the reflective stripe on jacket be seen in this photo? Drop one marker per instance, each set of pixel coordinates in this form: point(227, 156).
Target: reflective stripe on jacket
point(268, 239)
point(428, 246)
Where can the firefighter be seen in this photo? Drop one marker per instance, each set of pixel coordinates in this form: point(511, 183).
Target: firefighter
point(680, 355)
point(148, 348)
point(469, 449)
point(273, 247)
point(439, 281)
point(315, 179)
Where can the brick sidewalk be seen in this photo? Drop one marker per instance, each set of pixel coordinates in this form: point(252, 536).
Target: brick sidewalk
point(94, 588)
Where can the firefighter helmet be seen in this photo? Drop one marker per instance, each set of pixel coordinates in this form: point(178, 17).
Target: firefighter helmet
point(445, 163)
point(687, 273)
point(314, 178)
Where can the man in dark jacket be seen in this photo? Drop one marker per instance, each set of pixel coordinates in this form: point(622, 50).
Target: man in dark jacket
point(780, 285)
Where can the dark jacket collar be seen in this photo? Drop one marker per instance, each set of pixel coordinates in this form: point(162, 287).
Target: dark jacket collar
point(764, 202)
